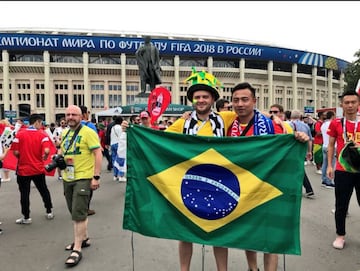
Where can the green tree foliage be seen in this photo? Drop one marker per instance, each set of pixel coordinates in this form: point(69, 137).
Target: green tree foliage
point(352, 73)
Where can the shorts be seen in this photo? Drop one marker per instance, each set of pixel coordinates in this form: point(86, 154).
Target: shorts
point(77, 195)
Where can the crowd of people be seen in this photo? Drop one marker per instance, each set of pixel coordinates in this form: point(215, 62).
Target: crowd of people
point(81, 145)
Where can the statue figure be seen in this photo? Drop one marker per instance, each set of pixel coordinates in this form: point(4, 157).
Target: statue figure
point(148, 59)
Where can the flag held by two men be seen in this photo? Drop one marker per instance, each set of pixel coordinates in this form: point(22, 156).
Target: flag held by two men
point(240, 192)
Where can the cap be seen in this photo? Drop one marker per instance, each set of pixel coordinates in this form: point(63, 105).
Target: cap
point(144, 114)
point(202, 81)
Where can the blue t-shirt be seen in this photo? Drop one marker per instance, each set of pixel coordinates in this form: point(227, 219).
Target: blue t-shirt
point(89, 124)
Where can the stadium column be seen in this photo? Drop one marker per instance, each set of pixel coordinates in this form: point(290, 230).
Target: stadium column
point(175, 92)
point(342, 85)
point(49, 103)
point(270, 84)
point(6, 97)
point(329, 88)
point(123, 80)
point(242, 69)
point(314, 87)
point(87, 94)
point(294, 88)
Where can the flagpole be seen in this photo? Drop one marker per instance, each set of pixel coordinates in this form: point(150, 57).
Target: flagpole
point(284, 263)
point(203, 257)
point(132, 251)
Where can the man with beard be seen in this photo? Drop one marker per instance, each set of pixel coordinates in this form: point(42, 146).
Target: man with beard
point(202, 122)
point(82, 154)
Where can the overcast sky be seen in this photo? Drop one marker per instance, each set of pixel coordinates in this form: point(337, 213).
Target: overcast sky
point(329, 28)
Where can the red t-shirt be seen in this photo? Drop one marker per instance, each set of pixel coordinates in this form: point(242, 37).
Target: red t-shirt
point(31, 144)
point(336, 130)
point(277, 129)
point(318, 139)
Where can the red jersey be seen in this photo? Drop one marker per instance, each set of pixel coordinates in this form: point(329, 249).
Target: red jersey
point(336, 130)
point(31, 144)
point(101, 134)
point(277, 129)
point(318, 139)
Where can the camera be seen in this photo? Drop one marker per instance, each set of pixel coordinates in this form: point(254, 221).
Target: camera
point(57, 161)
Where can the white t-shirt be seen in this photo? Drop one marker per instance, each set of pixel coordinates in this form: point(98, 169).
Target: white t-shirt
point(115, 134)
point(325, 136)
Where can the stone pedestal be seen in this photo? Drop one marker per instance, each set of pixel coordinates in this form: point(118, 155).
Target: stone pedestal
point(142, 98)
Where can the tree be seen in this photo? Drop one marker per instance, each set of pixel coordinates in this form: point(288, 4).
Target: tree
point(352, 73)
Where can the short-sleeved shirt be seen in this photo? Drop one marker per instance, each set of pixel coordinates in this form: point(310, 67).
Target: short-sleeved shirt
point(30, 143)
point(80, 152)
point(318, 139)
point(206, 130)
point(336, 130)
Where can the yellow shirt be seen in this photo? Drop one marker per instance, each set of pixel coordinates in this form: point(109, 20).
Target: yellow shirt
point(205, 129)
point(80, 152)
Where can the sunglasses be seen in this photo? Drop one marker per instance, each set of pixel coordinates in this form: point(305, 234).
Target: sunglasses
point(273, 112)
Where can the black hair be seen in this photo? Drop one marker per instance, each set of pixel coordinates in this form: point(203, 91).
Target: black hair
point(118, 120)
point(287, 114)
point(35, 117)
point(133, 117)
point(84, 109)
point(220, 104)
point(330, 114)
point(349, 93)
point(244, 85)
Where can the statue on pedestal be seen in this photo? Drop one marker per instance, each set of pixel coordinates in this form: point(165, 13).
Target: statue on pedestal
point(148, 59)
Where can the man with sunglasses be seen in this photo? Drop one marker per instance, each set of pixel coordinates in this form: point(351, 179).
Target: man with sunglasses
point(278, 111)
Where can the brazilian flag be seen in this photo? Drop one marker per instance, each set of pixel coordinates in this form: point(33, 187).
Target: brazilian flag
point(242, 192)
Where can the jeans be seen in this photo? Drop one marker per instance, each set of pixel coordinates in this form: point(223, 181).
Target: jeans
point(324, 178)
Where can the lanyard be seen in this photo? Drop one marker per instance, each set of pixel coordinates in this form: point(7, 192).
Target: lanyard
point(346, 139)
point(198, 127)
point(73, 139)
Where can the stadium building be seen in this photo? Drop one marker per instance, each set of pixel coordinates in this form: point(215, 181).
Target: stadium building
point(44, 71)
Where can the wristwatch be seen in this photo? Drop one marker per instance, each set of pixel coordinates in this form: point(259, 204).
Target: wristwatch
point(96, 177)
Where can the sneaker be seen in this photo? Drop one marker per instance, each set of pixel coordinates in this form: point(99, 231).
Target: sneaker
point(1, 231)
point(328, 185)
point(49, 216)
point(339, 243)
point(122, 179)
point(23, 221)
point(5, 180)
point(319, 171)
point(310, 195)
point(115, 179)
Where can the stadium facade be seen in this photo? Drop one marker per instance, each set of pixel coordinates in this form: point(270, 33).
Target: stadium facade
point(44, 71)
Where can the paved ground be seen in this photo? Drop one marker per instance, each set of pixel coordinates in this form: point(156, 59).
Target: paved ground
point(40, 246)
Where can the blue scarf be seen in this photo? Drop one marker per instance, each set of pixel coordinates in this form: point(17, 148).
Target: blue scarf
point(262, 125)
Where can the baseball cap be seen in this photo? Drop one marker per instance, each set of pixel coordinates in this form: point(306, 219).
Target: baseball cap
point(144, 114)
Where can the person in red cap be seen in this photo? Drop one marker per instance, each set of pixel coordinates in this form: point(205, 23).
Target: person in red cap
point(145, 120)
